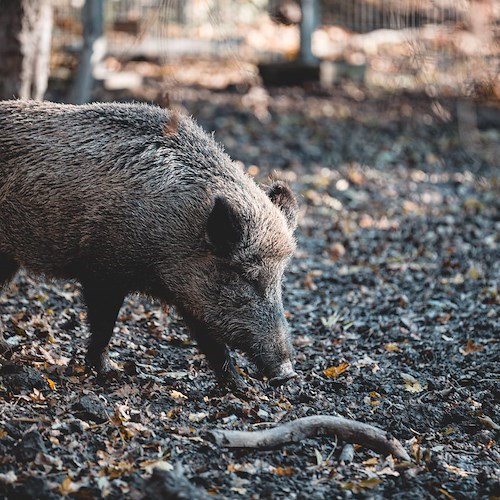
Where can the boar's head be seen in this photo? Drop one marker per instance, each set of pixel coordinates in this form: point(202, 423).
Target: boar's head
point(237, 287)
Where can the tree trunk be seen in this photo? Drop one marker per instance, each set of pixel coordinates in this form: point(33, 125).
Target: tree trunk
point(25, 35)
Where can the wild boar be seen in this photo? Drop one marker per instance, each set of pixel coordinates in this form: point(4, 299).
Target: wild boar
point(135, 198)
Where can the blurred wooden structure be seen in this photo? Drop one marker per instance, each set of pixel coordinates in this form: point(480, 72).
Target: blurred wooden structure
point(452, 46)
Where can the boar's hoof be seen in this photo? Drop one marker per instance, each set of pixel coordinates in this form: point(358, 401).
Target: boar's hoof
point(233, 383)
point(284, 373)
point(5, 348)
point(105, 368)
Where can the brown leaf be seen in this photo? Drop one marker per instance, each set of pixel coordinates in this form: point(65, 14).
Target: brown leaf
point(411, 383)
point(470, 348)
point(392, 347)
point(474, 272)
point(360, 486)
point(335, 371)
point(67, 486)
point(177, 395)
point(473, 205)
point(337, 251)
point(283, 471)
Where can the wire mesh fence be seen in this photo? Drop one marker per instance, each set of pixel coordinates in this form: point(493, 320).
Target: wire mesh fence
point(439, 46)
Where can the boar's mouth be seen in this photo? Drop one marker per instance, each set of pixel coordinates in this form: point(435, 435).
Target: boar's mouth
point(282, 374)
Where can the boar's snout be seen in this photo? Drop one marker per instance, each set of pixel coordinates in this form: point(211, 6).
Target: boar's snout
point(275, 352)
point(282, 374)
point(278, 366)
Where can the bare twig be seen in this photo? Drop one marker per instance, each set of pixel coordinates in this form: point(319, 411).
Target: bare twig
point(347, 430)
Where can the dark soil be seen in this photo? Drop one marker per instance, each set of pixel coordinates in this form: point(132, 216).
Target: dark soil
point(394, 287)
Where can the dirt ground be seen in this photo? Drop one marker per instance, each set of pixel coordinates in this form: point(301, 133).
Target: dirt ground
point(392, 298)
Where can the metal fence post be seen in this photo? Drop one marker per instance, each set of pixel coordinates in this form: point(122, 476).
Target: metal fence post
point(93, 50)
point(310, 16)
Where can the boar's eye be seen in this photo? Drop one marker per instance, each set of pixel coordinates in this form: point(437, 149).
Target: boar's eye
point(256, 283)
point(253, 281)
point(224, 229)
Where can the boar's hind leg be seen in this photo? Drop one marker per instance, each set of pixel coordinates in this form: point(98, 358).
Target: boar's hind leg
point(8, 267)
point(103, 304)
point(216, 353)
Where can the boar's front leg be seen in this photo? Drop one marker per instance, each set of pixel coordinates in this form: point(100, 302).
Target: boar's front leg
point(217, 354)
point(103, 304)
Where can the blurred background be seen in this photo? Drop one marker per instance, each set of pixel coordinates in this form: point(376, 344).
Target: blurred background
point(232, 63)
point(82, 50)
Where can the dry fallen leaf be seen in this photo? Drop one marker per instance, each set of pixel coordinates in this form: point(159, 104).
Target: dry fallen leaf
point(37, 396)
point(283, 471)
point(239, 490)
point(149, 465)
point(8, 478)
point(177, 395)
point(374, 398)
point(457, 470)
point(474, 272)
point(411, 383)
point(387, 471)
point(309, 283)
point(337, 251)
point(67, 486)
point(473, 205)
point(197, 417)
point(470, 348)
point(246, 467)
point(335, 371)
point(458, 279)
point(392, 347)
point(360, 486)
point(443, 318)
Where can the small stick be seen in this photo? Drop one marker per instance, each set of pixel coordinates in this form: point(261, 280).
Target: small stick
point(347, 430)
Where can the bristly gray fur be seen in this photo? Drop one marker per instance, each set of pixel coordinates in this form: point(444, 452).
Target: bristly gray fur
point(121, 193)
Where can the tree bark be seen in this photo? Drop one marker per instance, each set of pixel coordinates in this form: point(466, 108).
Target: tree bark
point(25, 36)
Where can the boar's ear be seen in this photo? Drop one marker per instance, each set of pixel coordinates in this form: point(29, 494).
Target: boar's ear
point(281, 195)
point(224, 229)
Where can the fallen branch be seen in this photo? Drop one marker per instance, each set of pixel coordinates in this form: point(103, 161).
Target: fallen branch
point(347, 430)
